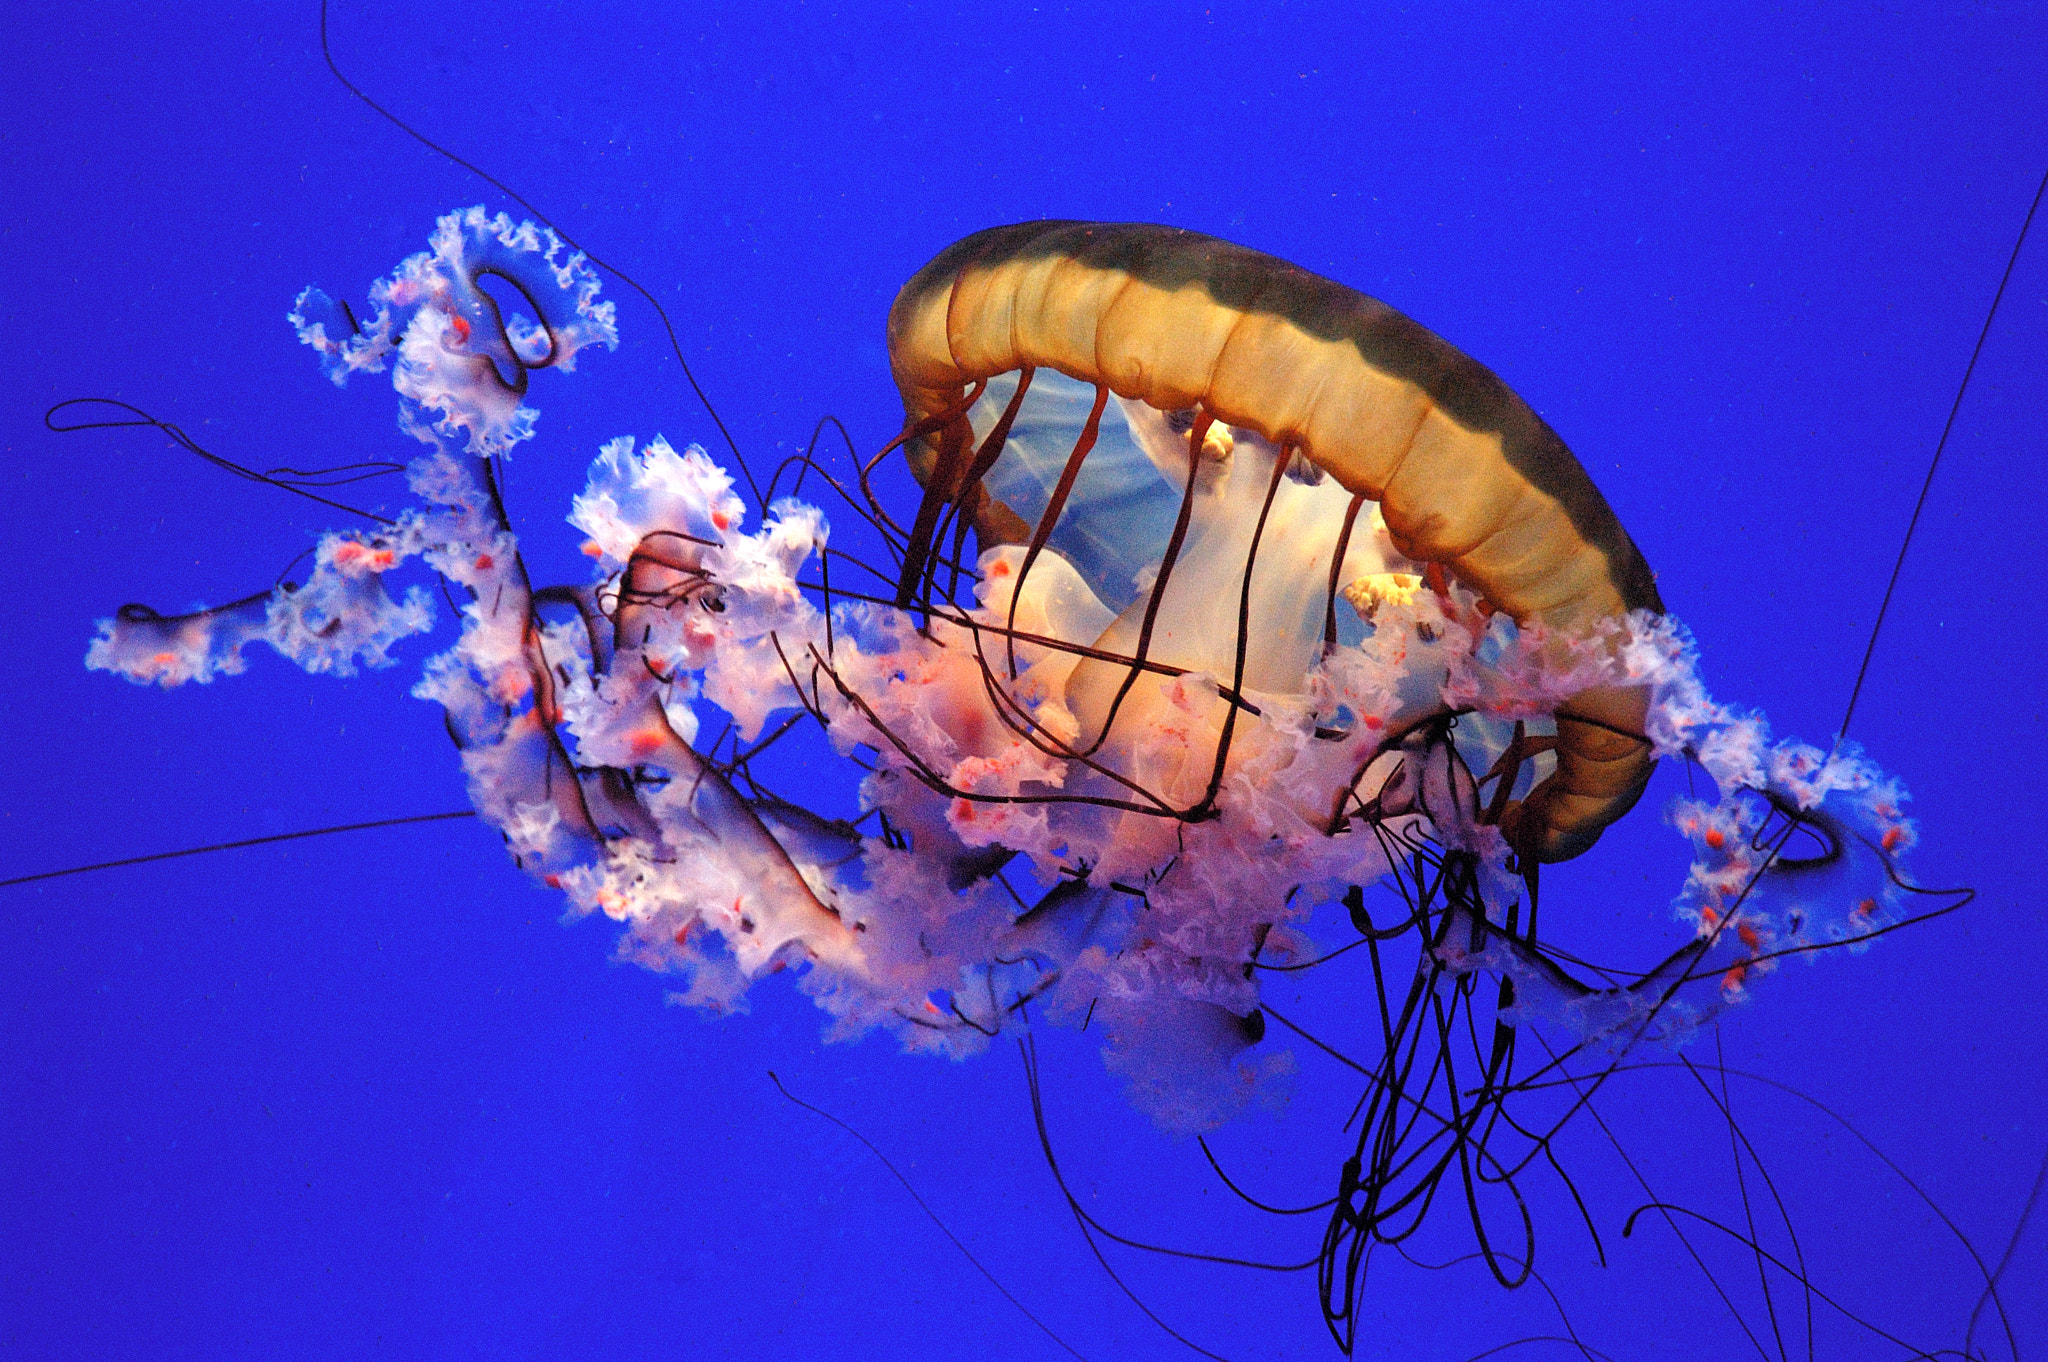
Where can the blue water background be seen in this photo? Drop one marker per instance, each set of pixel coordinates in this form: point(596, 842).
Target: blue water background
point(366, 1095)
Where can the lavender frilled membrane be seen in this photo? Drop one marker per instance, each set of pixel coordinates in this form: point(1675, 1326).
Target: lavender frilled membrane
point(575, 709)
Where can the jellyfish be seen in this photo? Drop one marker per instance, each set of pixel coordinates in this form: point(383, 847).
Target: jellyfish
point(1274, 603)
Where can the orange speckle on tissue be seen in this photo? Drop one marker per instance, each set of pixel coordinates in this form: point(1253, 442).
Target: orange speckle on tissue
point(460, 328)
point(646, 741)
point(591, 549)
point(1748, 935)
point(484, 562)
point(999, 568)
point(1715, 838)
point(510, 685)
point(722, 520)
point(353, 555)
point(1892, 837)
point(683, 932)
point(163, 659)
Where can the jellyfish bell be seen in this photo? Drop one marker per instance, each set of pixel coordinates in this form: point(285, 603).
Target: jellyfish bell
point(1312, 401)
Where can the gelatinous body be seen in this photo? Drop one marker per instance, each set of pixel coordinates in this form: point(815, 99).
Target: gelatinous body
point(1314, 604)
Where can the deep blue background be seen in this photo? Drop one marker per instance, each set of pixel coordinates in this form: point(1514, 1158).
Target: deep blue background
point(364, 1094)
